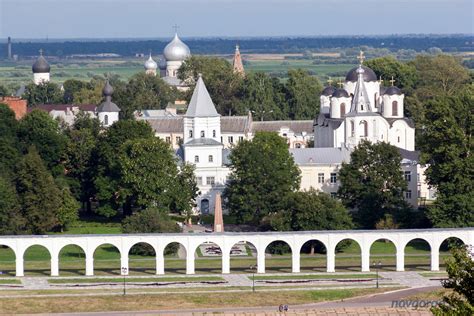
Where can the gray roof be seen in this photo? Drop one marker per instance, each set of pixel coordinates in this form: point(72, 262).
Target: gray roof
point(201, 104)
point(172, 81)
point(392, 91)
point(108, 105)
point(144, 114)
point(369, 74)
point(409, 121)
point(236, 124)
point(41, 65)
point(328, 91)
point(274, 126)
point(304, 156)
point(203, 142)
point(410, 155)
point(166, 124)
point(340, 93)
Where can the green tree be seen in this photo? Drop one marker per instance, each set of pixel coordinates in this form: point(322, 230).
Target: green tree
point(3, 91)
point(404, 74)
point(72, 86)
point(39, 197)
point(185, 191)
point(8, 140)
point(150, 220)
point(264, 96)
point(149, 175)
point(221, 81)
point(447, 146)
point(263, 175)
point(43, 93)
point(84, 121)
point(372, 184)
point(144, 92)
point(107, 173)
point(11, 221)
point(68, 212)
point(38, 129)
point(460, 269)
point(301, 94)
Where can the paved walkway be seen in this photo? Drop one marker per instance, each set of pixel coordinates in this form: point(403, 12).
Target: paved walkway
point(410, 279)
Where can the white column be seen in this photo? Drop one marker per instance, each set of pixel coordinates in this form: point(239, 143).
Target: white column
point(260, 260)
point(124, 263)
point(160, 262)
point(89, 264)
point(225, 261)
point(365, 258)
point(19, 266)
point(435, 258)
point(295, 262)
point(401, 259)
point(189, 262)
point(330, 259)
point(54, 265)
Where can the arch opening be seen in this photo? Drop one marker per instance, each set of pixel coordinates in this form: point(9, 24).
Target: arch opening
point(37, 261)
point(417, 255)
point(175, 258)
point(72, 260)
point(313, 256)
point(142, 259)
point(243, 257)
point(107, 260)
point(445, 249)
point(383, 251)
point(208, 258)
point(278, 257)
point(7, 261)
point(348, 256)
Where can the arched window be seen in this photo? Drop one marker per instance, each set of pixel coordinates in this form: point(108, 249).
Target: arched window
point(190, 133)
point(352, 129)
point(106, 120)
point(394, 108)
point(202, 133)
point(364, 128)
point(214, 133)
point(343, 109)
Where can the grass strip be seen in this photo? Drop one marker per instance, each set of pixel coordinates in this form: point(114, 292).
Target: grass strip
point(313, 276)
point(9, 281)
point(135, 280)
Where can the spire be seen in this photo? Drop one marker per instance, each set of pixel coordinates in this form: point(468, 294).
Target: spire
point(360, 101)
point(237, 62)
point(201, 104)
point(108, 105)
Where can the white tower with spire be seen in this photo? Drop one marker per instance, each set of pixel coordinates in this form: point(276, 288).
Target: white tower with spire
point(107, 111)
point(203, 147)
point(41, 69)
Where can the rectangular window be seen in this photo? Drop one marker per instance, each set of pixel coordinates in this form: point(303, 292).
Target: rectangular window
point(202, 133)
point(199, 180)
point(196, 158)
point(211, 158)
point(241, 138)
point(190, 133)
point(408, 194)
point(407, 176)
point(320, 177)
point(168, 139)
point(333, 177)
point(210, 180)
point(178, 140)
point(230, 139)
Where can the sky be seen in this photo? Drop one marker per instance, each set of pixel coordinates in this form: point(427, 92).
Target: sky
point(39, 19)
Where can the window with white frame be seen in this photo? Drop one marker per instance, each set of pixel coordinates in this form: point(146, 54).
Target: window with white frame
point(230, 139)
point(196, 158)
point(241, 138)
point(210, 180)
point(199, 180)
point(320, 177)
point(408, 194)
point(333, 178)
point(202, 134)
point(214, 133)
point(407, 176)
point(168, 139)
point(211, 158)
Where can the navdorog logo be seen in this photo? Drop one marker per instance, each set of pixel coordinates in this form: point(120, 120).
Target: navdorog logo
point(415, 303)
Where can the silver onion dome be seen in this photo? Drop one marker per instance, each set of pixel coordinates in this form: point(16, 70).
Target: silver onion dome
point(176, 50)
point(41, 65)
point(150, 64)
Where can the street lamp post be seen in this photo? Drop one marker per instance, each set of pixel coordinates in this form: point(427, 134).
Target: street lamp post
point(377, 267)
point(253, 268)
point(124, 273)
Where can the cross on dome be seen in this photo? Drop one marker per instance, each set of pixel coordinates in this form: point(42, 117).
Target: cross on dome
point(340, 83)
point(392, 81)
point(361, 57)
point(380, 80)
point(330, 81)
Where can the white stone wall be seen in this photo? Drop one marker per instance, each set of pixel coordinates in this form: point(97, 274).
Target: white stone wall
point(110, 117)
point(40, 77)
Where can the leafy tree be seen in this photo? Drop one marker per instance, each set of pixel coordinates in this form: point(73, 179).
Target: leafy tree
point(302, 91)
point(447, 149)
point(149, 175)
point(264, 96)
point(3, 91)
point(404, 74)
point(39, 197)
point(185, 191)
point(72, 86)
point(372, 184)
point(8, 140)
point(107, 173)
point(84, 121)
point(38, 129)
point(221, 81)
point(11, 221)
point(91, 93)
point(144, 92)
point(68, 212)
point(43, 93)
point(263, 175)
point(150, 220)
point(460, 269)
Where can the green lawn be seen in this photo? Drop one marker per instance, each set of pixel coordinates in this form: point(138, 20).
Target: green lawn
point(313, 276)
point(10, 281)
point(136, 280)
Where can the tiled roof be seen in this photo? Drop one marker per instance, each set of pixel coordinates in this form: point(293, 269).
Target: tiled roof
point(303, 156)
point(234, 124)
point(203, 141)
point(166, 124)
point(64, 107)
